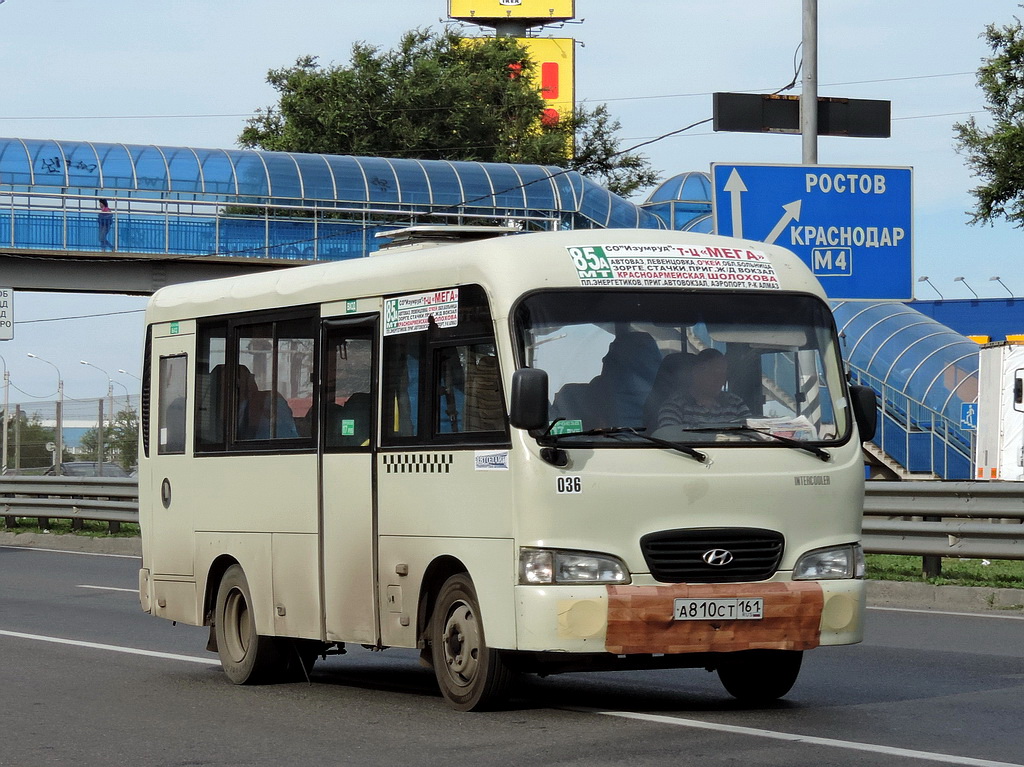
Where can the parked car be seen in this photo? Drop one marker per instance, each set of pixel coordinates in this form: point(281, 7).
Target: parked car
point(88, 469)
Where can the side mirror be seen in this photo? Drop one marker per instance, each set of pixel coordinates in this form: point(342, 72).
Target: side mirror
point(865, 411)
point(529, 399)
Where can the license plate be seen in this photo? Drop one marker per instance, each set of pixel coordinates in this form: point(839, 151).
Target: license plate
point(719, 609)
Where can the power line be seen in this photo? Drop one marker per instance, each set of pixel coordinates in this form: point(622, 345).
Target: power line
point(78, 317)
point(762, 90)
point(693, 94)
point(894, 119)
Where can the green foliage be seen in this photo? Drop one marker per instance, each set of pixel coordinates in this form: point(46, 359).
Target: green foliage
point(996, 154)
point(120, 440)
point(87, 528)
point(598, 155)
point(437, 97)
point(997, 573)
point(29, 438)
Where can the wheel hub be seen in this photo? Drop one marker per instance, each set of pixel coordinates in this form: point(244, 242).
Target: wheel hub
point(461, 644)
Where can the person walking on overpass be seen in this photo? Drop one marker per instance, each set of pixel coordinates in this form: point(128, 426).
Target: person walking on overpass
point(105, 219)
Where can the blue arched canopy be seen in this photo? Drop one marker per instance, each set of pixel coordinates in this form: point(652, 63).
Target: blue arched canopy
point(192, 201)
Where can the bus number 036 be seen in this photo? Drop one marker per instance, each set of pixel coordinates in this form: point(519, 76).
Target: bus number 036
point(570, 484)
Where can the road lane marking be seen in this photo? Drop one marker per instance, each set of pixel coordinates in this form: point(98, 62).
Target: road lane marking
point(655, 718)
point(808, 739)
point(947, 612)
point(110, 647)
point(65, 551)
point(108, 588)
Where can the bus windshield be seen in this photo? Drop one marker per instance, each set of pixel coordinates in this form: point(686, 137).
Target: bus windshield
point(697, 367)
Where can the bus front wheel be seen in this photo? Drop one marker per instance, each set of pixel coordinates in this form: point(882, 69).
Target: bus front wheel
point(471, 675)
point(247, 657)
point(760, 676)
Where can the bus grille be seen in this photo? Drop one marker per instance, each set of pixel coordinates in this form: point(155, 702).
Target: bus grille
point(689, 556)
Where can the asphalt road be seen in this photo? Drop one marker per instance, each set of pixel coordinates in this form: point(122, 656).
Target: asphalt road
point(87, 679)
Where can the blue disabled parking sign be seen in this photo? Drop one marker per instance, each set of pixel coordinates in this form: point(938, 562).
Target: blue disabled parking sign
point(968, 415)
point(852, 225)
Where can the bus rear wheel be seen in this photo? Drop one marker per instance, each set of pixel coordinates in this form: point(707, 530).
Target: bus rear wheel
point(760, 676)
point(471, 675)
point(247, 657)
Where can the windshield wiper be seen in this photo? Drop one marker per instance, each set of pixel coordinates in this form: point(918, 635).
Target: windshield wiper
point(637, 431)
point(787, 441)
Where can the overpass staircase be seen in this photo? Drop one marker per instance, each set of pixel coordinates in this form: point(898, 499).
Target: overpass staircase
point(913, 441)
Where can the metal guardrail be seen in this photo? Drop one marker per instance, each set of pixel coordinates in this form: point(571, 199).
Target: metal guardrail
point(113, 500)
point(945, 519)
point(940, 519)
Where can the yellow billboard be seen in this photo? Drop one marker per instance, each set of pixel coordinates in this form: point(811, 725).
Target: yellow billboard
point(554, 73)
point(474, 10)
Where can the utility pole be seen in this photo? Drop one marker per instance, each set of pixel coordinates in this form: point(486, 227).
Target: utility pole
point(7, 414)
point(809, 90)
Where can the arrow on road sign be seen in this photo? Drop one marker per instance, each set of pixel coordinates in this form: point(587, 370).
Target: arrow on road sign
point(792, 214)
point(735, 187)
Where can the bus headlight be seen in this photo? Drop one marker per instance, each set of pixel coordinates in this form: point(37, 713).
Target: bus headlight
point(552, 566)
point(831, 563)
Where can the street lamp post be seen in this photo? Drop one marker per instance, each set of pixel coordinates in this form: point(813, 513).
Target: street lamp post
point(110, 414)
point(961, 279)
point(925, 279)
point(59, 458)
point(1000, 281)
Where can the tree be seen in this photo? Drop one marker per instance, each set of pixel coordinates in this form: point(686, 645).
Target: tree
point(598, 155)
point(996, 154)
point(124, 437)
point(438, 97)
point(120, 440)
point(28, 439)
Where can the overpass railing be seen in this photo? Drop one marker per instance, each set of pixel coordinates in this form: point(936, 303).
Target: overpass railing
point(917, 437)
point(192, 228)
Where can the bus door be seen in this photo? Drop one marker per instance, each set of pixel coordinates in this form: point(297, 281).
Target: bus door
point(171, 522)
point(348, 522)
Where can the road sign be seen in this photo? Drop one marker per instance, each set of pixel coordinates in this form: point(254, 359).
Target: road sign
point(969, 415)
point(852, 225)
point(6, 314)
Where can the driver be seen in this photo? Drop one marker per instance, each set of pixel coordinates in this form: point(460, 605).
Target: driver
point(704, 403)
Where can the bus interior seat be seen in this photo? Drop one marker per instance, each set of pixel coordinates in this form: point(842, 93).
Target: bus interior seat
point(627, 375)
point(358, 409)
point(483, 396)
point(573, 403)
point(212, 407)
point(258, 408)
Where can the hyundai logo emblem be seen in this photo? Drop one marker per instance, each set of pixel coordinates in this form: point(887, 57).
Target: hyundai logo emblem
point(717, 557)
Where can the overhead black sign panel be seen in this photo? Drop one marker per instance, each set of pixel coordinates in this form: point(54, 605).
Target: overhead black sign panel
point(772, 113)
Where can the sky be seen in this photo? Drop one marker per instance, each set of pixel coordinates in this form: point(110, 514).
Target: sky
point(189, 73)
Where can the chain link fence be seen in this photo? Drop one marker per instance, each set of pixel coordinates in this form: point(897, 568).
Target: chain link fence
point(86, 431)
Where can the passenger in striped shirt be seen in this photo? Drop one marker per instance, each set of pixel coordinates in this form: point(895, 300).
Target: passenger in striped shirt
point(704, 403)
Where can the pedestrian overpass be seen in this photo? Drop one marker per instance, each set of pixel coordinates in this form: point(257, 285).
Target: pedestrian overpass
point(183, 213)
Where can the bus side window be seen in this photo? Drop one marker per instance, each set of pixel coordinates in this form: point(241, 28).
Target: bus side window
point(441, 384)
point(273, 372)
point(401, 385)
point(171, 406)
point(469, 393)
point(348, 403)
point(211, 389)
